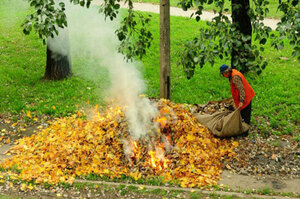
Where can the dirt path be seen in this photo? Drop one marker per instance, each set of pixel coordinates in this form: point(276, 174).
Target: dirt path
point(248, 183)
point(206, 15)
point(3, 149)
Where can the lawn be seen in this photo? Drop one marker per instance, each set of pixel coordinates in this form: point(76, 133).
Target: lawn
point(273, 4)
point(22, 65)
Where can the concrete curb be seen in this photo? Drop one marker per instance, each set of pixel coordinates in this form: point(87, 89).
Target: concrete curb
point(223, 193)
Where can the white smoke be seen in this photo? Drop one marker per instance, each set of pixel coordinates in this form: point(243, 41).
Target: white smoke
point(59, 45)
point(93, 38)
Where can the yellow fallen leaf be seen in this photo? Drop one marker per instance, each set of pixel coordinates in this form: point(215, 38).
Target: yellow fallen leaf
point(29, 114)
point(142, 187)
point(30, 187)
point(23, 186)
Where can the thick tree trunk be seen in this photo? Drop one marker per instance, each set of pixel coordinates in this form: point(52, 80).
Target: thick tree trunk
point(58, 66)
point(242, 22)
point(165, 82)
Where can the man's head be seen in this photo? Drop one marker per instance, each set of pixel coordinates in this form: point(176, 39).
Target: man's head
point(225, 70)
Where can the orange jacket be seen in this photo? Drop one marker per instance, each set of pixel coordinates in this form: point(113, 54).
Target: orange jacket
point(249, 93)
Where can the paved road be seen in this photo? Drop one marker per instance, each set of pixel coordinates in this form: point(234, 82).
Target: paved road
point(148, 7)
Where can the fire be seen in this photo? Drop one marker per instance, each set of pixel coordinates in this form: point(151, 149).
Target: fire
point(156, 156)
point(135, 149)
point(157, 159)
point(132, 150)
point(97, 115)
point(162, 121)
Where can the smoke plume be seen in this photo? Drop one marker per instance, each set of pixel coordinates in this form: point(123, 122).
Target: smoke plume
point(93, 40)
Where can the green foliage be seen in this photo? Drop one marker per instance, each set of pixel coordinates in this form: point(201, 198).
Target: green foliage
point(222, 38)
point(83, 3)
point(21, 58)
point(133, 32)
point(134, 39)
point(289, 27)
point(111, 8)
point(45, 18)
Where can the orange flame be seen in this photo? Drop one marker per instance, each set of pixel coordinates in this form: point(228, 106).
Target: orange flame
point(135, 149)
point(157, 159)
point(162, 121)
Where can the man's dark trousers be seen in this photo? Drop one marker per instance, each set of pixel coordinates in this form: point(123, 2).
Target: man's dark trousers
point(246, 113)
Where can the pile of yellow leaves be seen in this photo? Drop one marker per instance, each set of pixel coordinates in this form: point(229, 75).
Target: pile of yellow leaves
point(74, 146)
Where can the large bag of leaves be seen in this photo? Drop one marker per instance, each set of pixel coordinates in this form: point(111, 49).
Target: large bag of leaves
point(224, 124)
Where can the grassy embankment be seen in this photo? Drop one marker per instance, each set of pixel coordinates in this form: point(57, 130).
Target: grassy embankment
point(22, 64)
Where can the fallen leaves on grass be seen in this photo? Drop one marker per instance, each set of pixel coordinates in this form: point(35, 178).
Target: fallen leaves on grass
point(73, 146)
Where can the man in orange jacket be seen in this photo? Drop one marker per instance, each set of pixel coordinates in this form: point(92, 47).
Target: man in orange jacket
point(242, 92)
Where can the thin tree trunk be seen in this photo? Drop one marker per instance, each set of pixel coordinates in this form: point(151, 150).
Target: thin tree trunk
point(242, 22)
point(165, 82)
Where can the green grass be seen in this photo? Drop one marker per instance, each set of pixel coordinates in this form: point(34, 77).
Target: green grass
point(156, 181)
point(22, 65)
point(277, 88)
point(273, 4)
point(264, 191)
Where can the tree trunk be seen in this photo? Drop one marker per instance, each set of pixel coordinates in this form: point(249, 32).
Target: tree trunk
point(58, 66)
point(242, 22)
point(165, 82)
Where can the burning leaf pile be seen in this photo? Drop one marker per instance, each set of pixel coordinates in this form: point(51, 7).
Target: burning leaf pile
point(179, 150)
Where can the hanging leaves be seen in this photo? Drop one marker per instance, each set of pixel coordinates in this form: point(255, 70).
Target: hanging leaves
point(222, 39)
point(133, 32)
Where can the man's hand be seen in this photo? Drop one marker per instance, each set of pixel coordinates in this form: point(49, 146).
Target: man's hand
point(240, 105)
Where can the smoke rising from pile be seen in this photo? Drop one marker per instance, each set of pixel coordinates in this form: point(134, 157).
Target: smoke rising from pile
point(93, 38)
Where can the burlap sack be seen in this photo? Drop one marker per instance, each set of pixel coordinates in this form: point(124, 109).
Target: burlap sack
point(224, 124)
